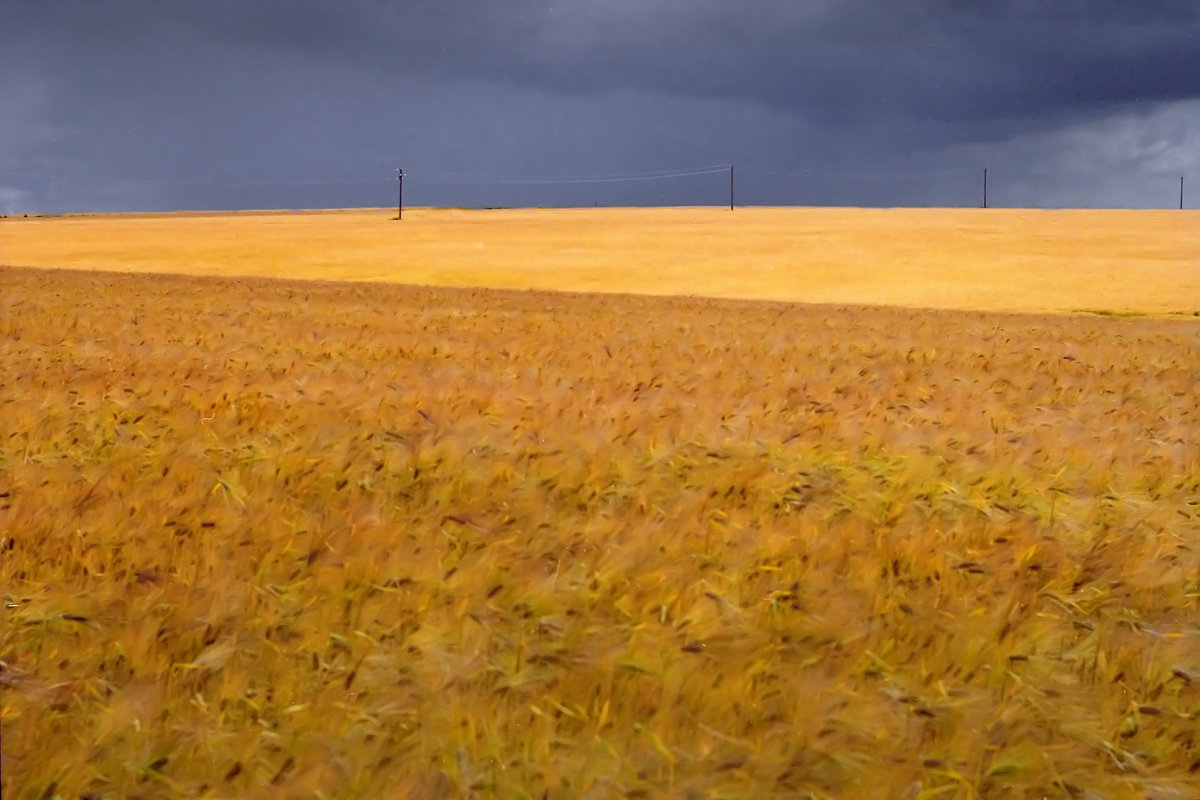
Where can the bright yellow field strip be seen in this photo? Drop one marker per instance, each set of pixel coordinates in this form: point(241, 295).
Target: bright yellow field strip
point(998, 259)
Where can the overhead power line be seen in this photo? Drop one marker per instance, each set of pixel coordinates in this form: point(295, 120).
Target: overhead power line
point(425, 177)
point(459, 177)
point(125, 181)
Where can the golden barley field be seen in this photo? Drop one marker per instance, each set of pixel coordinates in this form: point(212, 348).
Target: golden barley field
point(267, 537)
point(995, 259)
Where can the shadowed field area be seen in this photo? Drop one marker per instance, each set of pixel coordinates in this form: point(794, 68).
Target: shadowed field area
point(275, 538)
point(998, 259)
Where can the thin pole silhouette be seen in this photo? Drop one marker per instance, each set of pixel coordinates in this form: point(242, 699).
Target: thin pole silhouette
point(731, 187)
point(985, 187)
point(400, 194)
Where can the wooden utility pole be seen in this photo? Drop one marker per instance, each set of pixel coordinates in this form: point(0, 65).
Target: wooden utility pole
point(1181, 193)
point(985, 187)
point(400, 194)
point(731, 187)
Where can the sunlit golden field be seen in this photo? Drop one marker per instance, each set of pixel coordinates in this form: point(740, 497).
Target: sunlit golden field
point(996, 259)
point(296, 539)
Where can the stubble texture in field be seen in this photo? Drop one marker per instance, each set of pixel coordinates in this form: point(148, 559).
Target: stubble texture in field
point(266, 538)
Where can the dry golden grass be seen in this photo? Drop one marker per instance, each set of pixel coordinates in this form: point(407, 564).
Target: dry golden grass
point(1147, 261)
point(271, 538)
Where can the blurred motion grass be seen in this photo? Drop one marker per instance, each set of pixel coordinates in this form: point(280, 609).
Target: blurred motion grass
point(283, 538)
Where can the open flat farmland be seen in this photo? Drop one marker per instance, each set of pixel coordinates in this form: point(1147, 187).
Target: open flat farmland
point(282, 538)
point(997, 259)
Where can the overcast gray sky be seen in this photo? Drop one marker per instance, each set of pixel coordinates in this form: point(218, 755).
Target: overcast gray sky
point(163, 104)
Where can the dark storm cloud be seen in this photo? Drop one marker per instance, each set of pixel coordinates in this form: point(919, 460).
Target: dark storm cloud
point(138, 92)
point(958, 59)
